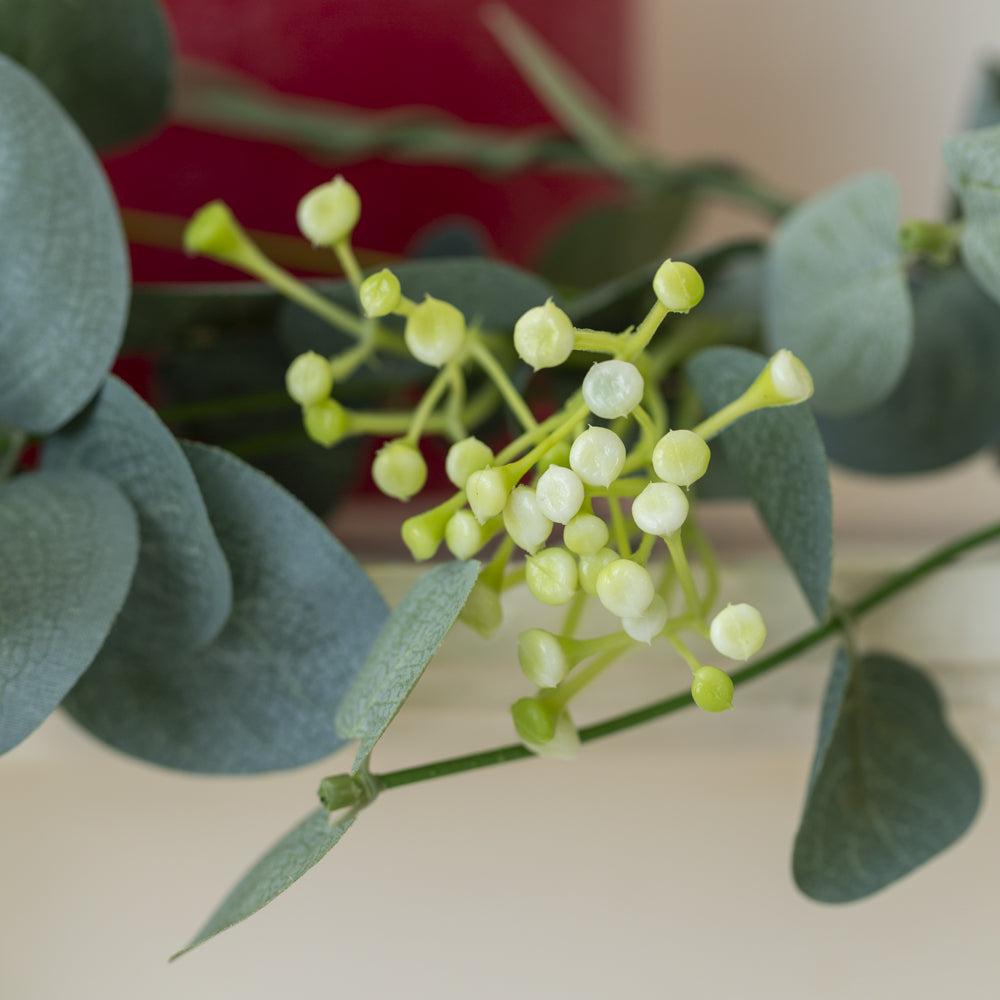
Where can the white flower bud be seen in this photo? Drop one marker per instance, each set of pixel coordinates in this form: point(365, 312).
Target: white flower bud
point(597, 456)
point(590, 568)
point(434, 332)
point(465, 457)
point(738, 631)
point(790, 378)
point(309, 379)
point(660, 509)
point(328, 213)
point(544, 337)
point(681, 457)
point(565, 741)
point(379, 293)
point(399, 470)
point(487, 493)
point(612, 388)
point(542, 658)
point(463, 535)
point(560, 493)
point(585, 534)
point(551, 576)
point(625, 588)
point(524, 520)
point(678, 286)
point(650, 623)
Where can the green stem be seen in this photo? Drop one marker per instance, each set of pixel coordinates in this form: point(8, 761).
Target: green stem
point(258, 402)
point(489, 364)
point(857, 609)
point(683, 570)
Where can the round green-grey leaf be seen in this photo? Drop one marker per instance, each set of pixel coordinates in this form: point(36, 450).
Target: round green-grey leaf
point(64, 284)
point(70, 543)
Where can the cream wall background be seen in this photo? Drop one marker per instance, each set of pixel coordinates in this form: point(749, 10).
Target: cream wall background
point(657, 864)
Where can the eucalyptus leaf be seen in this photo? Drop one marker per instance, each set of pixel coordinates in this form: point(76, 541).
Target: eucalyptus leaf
point(890, 787)
point(778, 453)
point(65, 281)
point(984, 106)
point(70, 543)
point(286, 862)
point(402, 650)
point(264, 694)
point(837, 295)
point(107, 63)
point(182, 593)
point(973, 162)
point(612, 240)
point(946, 406)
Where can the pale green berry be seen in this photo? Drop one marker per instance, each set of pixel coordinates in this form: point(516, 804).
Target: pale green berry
point(660, 509)
point(790, 379)
point(585, 534)
point(309, 378)
point(482, 610)
point(463, 535)
point(434, 332)
point(612, 388)
point(544, 336)
point(560, 493)
point(625, 588)
point(487, 492)
point(678, 286)
point(590, 567)
point(328, 213)
point(465, 457)
point(399, 470)
point(597, 456)
point(738, 631)
point(712, 689)
point(524, 520)
point(423, 533)
point(380, 293)
point(535, 723)
point(214, 232)
point(650, 623)
point(551, 576)
point(542, 658)
point(565, 741)
point(681, 457)
point(326, 422)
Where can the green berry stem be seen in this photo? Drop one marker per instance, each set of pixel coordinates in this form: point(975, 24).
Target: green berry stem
point(441, 382)
point(486, 360)
point(635, 343)
point(683, 570)
point(609, 649)
point(645, 549)
point(597, 342)
point(346, 364)
point(689, 658)
point(522, 465)
point(456, 427)
point(574, 613)
point(706, 556)
point(619, 527)
point(348, 262)
point(647, 713)
point(729, 414)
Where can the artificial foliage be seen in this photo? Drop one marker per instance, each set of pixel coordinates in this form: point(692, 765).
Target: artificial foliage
point(182, 602)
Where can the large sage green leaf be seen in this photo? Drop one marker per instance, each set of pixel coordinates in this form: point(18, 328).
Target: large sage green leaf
point(984, 106)
point(946, 406)
point(263, 695)
point(837, 295)
point(108, 63)
point(64, 281)
point(778, 453)
point(973, 161)
point(182, 593)
point(68, 546)
point(891, 786)
point(286, 862)
point(402, 650)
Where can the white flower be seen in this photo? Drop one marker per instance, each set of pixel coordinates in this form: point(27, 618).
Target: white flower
point(625, 588)
point(544, 336)
point(612, 388)
point(681, 457)
point(660, 509)
point(560, 493)
point(597, 456)
point(738, 631)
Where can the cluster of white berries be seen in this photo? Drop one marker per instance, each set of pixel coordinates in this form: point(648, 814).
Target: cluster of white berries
point(606, 469)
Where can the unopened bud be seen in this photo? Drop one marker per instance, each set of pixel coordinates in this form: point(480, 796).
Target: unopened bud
point(678, 286)
point(465, 457)
point(326, 422)
point(399, 470)
point(487, 493)
point(712, 689)
point(379, 293)
point(660, 509)
point(597, 456)
point(542, 657)
point(463, 535)
point(544, 337)
point(650, 623)
point(434, 332)
point(524, 520)
point(738, 631)
point(625, 588)
point(309, 378)
point(586, 535)
point(328, 214)
point(551, 576)
point(612, 389)
point(681, 457)
point(560, 493)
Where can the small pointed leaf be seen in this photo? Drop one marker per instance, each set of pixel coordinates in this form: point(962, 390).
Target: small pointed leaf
point(68, 550)
point(778, 453)
point(286, 862)
point(402, 650)
point(891, 786)
point(65, 281)
point(263, 695)
point(837, 295)
point(182, 593)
